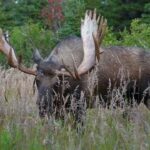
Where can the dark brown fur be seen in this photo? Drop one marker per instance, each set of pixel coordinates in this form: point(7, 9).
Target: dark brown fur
point(117, 64)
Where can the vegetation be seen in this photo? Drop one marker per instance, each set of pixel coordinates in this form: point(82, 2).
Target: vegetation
point(41, 24)
point(32, 24)
point(138, 35)
point(21, 128)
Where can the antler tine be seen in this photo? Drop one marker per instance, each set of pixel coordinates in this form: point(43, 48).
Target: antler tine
point(100, 35)
point(27, 70)
point(96, 47)
point(10, 59)
point(90, 14)
point(102, 29)
point(98, 19)
point(94, 14)
point(24, 69)
point(19, 65)
point(74, 74)
point(75, 69)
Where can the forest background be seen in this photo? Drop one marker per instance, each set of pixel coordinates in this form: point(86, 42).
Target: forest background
point(41, 24)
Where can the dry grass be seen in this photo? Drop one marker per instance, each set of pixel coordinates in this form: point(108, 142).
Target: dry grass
point(105, 129)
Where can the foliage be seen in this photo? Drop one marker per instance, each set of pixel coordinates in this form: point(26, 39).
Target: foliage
point(146, 13)
point(138, 36)
point(110, 38)
point(20, 127)
point(62, 20)
point(73, 12)
point(120, 12)
point(18, 12)
point(27, 38)
point(53, 14)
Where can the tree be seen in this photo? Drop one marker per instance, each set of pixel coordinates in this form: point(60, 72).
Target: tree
point(53, 14)
point(120, 13)
point(19, 12)
point(146, 13)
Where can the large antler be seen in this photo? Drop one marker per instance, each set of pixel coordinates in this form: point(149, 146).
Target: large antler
point(92, 33)
point(11, 57)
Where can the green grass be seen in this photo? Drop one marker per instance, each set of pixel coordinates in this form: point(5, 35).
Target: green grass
point(105, 129)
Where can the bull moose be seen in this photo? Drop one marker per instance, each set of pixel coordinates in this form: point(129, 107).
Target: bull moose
point(66, 73)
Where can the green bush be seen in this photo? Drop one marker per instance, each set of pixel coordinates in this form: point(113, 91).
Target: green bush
point(146, 13)
point(110, 38)
point(73, 12)
point(27, 38)
point(139, 35)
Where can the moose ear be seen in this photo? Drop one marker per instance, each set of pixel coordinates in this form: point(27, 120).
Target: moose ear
point(37, 58)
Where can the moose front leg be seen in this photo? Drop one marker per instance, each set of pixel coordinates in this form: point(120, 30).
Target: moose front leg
point(78, 106)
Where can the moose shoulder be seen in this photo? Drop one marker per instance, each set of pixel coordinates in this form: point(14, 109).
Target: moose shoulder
point(80, 69)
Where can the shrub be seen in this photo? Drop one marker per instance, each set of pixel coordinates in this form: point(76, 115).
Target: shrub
point(110, 38)
point(27, 38)
point(139, 35)
point(73, 12)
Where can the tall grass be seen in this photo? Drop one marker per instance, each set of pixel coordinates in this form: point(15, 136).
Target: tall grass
point(105, 129)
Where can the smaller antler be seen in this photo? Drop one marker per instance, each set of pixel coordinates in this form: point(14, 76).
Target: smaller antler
point(11, 57)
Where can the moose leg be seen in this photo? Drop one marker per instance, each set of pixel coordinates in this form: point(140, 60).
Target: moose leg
point(147, 97)
point(78, 106)
point(147, 102)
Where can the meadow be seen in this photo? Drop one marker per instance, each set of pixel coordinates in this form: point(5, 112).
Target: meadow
point(104, 129)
